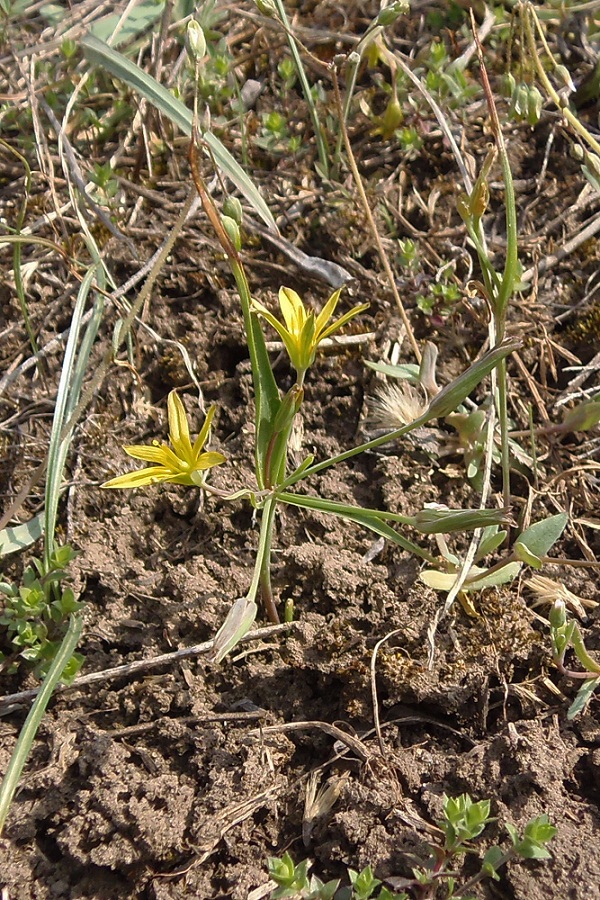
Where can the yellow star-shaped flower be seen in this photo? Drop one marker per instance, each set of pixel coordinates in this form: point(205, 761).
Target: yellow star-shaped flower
point(303, 330)
point(184, 464)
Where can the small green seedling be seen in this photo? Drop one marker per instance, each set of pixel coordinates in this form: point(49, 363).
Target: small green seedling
point(294, 881)
point(463, 821)
point(36, 613)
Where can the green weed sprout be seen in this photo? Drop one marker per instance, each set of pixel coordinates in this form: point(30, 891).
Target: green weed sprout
point(294, 881)
point(463, 822)
point(565, 634)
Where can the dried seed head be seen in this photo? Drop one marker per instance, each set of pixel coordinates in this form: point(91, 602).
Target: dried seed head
point(395, 405)
point(548, 592)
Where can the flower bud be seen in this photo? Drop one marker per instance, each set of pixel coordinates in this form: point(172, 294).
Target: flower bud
point(392, 117)
point(564, 76)
point(558, 614)
point(233, 231)
point(195, 40)
point(479, 199)
point(266, 7)
point(289, 407)
point(233, 208)
point(577, 152)
point(389, 14)
point(520, 98)
point(535, 102)
point(593, 163)
point(508, 84)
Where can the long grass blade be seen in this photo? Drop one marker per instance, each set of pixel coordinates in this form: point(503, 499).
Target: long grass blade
point(100, 54)
point(36, 714)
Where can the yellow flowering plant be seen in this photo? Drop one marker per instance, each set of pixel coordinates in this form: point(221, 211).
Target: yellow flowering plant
point(303, 330)
point(182, 463)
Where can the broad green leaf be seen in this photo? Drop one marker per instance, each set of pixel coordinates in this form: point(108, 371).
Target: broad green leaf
point(583, 416)
point(100, 54)
point(502, 576)
point(17, 537)
point(524, 556)
point(537, 540)
point(492, 859)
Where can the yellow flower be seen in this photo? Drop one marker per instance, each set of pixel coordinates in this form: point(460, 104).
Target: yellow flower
point(184, 464)
point(304, 330)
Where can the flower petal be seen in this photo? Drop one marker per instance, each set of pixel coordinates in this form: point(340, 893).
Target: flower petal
point(203, 436)
point(157, 454)
point(151, 475)
point(293, 310)
point(149, 453)
point(343, 320)
point(290, 341)
point(261, 310)
point(209, 459)
point(327, 312)
point(179, 432)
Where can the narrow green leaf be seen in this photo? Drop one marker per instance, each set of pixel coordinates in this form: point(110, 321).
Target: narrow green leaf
point(406, 371)
point(367, 518)
point(451, 396)
point(238, 622)
point(35, 716)
point(490, 541)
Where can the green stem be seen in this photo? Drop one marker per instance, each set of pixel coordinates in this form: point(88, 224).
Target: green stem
point(469, 885)
point(501, 298)
point(581, 653)
point(354, 451)
point(36, 714)
point(262, 565)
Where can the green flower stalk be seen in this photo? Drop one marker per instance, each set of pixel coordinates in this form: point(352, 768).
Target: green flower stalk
point(185, 463)
point(303, 330)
